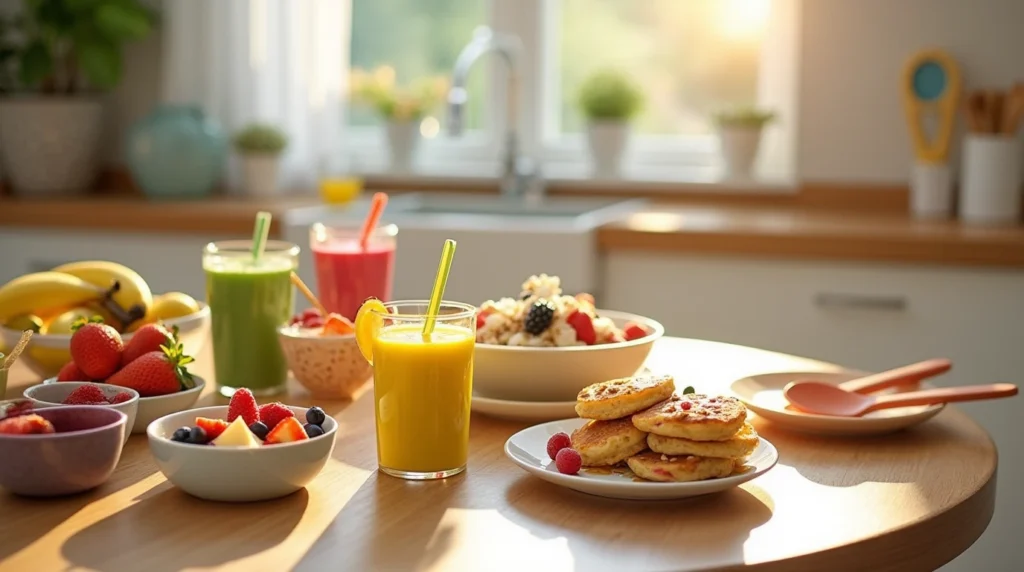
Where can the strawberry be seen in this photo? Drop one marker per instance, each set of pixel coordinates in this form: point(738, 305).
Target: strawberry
point(70, 372)
point(121, 397)
point(148, 338)
point(213, 427)
point(633, 331)
point(243, 405)
point(156, 373)
point(584, 327)
point(96, 348)
point(88, 394)
point(481, 318)
point(286, 431)
point(26, 425)
point(273, 413)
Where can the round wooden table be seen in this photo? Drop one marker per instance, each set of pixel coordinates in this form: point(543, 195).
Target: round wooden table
point(909, 501)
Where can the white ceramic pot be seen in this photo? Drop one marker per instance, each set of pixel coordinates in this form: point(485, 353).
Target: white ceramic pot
point(51, 145)
point(739, 146)
point(260, 173)
point(403, 139)
point(607, 141)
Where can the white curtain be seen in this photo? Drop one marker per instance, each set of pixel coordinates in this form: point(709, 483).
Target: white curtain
point(278, 61)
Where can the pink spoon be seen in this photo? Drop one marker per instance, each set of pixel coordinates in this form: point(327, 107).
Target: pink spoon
point(825, 399)
point(906, 375)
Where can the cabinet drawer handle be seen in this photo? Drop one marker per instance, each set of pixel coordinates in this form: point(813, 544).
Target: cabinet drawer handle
point(860, 301)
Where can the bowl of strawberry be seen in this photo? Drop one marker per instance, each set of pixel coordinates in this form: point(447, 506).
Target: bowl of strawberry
point(152, 363)
point(122, 399)
point(243, 451)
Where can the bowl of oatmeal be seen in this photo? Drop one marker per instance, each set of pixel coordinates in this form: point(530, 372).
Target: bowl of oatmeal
point(547, 345)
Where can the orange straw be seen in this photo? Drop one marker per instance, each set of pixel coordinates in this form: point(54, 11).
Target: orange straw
point(380, 200)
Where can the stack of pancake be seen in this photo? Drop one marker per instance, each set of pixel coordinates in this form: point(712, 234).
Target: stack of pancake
point(661, 435)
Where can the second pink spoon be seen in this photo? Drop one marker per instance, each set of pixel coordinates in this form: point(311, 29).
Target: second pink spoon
point(825, 399)
point(906, 375)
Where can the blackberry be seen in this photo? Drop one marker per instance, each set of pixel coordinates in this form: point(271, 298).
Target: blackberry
point(539, 317)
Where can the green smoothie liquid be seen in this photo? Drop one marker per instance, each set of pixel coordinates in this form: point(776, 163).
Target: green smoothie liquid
point(247, 304)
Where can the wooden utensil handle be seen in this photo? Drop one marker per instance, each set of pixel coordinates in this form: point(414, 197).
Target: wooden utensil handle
point(945, 395)
point(906, 375)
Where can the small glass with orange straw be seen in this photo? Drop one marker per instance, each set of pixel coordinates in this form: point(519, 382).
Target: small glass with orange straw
point(422, 356)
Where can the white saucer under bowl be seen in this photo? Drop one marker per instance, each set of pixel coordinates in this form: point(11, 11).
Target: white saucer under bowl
point(762, 394)
point(528, 411)
point(528, 449)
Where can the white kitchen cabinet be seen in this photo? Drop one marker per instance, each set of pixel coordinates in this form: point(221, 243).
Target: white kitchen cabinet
point(868, 316)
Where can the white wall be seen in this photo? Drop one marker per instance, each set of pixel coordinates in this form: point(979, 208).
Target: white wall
point(852, 54)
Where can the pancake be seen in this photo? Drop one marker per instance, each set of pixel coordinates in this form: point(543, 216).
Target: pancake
point(658, 467)
point(696, 417)
point(619, 398)
point(740, 446)
point(604, 443)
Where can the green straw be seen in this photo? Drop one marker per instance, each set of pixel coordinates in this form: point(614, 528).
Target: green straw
point(439, 282)
point(260, 232)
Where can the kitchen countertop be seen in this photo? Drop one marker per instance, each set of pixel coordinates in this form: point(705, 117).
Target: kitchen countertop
point(726, 227)
point(909, 501)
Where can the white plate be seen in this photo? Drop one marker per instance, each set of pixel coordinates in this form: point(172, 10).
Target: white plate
point(528, 449)
point(762, 394)
point(529, 411)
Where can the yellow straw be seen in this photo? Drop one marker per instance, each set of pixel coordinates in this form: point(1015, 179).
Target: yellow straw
point(439, 282)
point(259, 235)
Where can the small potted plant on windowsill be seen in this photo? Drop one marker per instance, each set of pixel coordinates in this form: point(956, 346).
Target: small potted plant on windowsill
point(57, 57)
point(260, 146)
point(609, 100)
point(402, 108)
point(739, 136)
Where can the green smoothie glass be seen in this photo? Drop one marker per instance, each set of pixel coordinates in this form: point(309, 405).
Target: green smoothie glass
point(248, 301)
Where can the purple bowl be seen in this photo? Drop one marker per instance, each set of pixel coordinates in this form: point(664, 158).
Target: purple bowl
point(80, 456)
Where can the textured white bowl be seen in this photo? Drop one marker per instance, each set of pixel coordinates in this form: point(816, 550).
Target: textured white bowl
point(45, 354)
point(238, 474)
point(516, 373)
point(53, 394)
point(153, 408)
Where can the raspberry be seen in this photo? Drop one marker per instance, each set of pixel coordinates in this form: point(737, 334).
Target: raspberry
point(557, 442)
point(568, 461)
point(243, 405)
point(121, 397)
point(86, 395)
point(273, 413)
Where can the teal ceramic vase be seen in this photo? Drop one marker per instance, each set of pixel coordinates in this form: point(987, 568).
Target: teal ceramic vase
point(176, 152)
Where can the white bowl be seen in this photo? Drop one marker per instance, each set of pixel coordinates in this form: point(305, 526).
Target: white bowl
point(45, 354)
point(515, 373)
point(237, 474)
point(153, 408)
point(53, 394)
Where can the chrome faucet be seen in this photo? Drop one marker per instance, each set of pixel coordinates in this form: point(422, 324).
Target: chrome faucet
point(519, 175)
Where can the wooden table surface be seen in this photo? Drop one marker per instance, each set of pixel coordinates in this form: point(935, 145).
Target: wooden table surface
point(909, 501)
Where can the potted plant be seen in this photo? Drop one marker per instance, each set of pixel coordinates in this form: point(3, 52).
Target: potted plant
point(609, 100)
point(402, 108)
point(739, 136)
point(57, 57)
point(260, 146)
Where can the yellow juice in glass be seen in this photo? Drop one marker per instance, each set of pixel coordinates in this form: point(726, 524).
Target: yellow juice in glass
point(422, 391)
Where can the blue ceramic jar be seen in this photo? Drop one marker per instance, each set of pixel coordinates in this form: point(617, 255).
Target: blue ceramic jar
point(176, 152)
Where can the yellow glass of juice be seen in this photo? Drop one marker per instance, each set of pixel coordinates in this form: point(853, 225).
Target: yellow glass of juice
point(422, 388)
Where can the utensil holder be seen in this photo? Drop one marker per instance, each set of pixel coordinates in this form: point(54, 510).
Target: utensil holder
point(990, 191)
point(931, 191)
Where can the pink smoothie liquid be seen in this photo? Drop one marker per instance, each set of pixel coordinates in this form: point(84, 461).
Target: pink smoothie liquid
point(346, 275)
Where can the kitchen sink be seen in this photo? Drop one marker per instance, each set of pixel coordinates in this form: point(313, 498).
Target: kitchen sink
point(546, 207)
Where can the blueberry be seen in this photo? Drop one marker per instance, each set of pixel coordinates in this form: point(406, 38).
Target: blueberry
point(315, 416)
point(181, 434)
point(260, 430)
point(313, 430)
point(197, 435)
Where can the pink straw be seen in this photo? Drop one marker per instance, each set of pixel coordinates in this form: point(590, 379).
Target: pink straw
point(380, 200)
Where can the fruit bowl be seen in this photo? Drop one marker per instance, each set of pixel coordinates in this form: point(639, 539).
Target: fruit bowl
point(237, 474)
point(153, 408)
point(47, 353)
point(517, 373)
point(53, 395)
point(80, 456)
point(329, 367)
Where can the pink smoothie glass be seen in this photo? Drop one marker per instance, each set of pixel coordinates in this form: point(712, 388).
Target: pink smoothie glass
point(347, 274)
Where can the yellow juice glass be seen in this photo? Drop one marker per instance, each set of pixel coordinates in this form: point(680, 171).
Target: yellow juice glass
point(422, 389)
